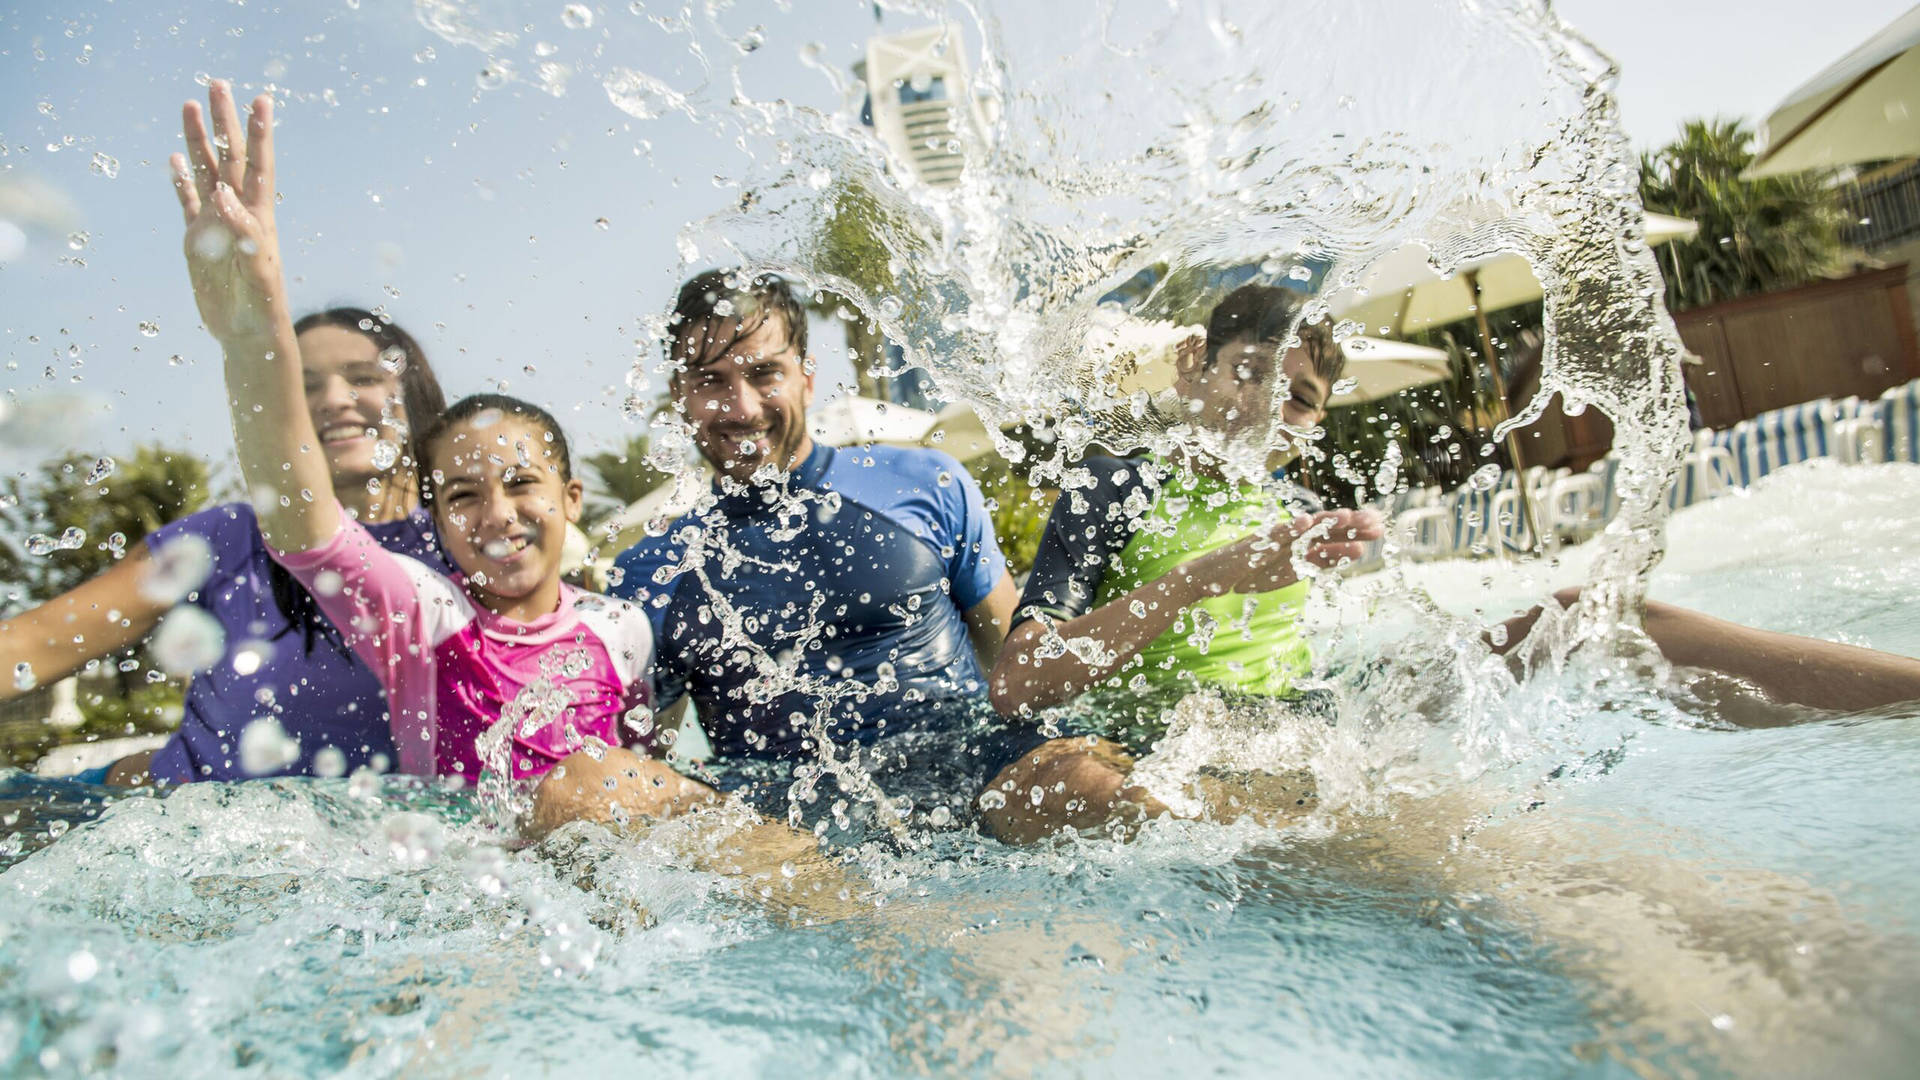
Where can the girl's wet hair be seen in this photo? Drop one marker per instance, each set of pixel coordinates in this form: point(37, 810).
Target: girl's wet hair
point(473, 405)
point(420, 395)
point(1264, 314)
point(751, 299)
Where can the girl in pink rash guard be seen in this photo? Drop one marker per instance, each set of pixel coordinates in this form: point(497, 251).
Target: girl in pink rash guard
point(451, 663)
point(502, 641)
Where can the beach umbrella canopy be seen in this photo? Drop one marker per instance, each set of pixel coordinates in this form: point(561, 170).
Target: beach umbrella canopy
point(1404, 295)
point(1864, 107)
point(856, 421)
point(959, 431)
point(1378, 368)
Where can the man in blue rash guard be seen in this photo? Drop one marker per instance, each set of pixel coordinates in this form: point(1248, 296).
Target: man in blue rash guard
point(852, 593)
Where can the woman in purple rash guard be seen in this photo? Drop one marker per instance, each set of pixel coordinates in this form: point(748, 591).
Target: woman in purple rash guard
point(368, 387)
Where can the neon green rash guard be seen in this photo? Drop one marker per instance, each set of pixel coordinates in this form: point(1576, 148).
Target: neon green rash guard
point(1137, 523)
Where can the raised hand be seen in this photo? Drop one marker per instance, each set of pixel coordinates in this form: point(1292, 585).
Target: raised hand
point(226, 189)
point(1322, 539)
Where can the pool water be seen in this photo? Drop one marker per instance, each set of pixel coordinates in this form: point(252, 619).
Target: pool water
point(1623, 887)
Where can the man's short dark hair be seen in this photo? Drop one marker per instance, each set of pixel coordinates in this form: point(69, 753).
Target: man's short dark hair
point(709, 299)
point(1262, 314)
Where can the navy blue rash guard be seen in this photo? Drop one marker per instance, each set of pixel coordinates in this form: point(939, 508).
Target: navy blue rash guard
point(861, 569)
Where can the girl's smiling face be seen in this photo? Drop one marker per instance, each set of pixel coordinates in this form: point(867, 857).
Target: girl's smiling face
point(503, 499)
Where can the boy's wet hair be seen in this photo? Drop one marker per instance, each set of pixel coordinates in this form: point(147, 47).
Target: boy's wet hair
point(473, 405)
point(752, 299)
point(1263, 314)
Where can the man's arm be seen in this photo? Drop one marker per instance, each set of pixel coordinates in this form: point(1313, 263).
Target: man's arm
point(987, 621)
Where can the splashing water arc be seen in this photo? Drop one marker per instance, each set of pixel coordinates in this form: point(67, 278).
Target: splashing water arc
point(1101, 141)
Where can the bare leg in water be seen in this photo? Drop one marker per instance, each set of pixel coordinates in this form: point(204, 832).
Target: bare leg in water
point(1085, 783)
point(779, 865)
point(1787, 668)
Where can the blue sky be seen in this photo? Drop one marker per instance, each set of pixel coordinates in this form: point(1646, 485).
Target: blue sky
point(472, 213)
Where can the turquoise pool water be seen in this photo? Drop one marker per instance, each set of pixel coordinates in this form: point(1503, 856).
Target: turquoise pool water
point(1621, 889)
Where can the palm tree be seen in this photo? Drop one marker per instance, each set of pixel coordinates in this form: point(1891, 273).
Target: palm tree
point(1755, 235)
point(621, 478)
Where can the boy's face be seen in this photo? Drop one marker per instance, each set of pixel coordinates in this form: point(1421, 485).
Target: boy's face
point(501, 503)
point(1235, 395)
point(748, 406)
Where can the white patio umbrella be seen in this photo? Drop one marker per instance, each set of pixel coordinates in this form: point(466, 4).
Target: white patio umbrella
point(959, 431)
point(1864, 107)
point(1404, 294)
point(1378, 368)
point(855, 421)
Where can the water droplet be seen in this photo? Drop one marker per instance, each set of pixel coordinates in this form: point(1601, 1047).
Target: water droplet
point(891, 307)
point(105, 165)
point(329, 763)
point(992, 799)
point(101, 469)
point(602, 224)
point(265, 747)
point(149, 328)
point(23, 676)
point(723, 308)
point(78, 240)
point(492, 77)
point(577, 17)
point(251, 656)
point(83, 966)
point(1300, 273)
point(328, 583)
point(1485, 478)
point(424, 56)
point(177, 569)
point(944, 479)
point(414, 840)
point(70, 540)
point(393, 358)
point(188, 640)
point(1345, 386)
point(752, 39)
point(176, 360)
point(385, 454)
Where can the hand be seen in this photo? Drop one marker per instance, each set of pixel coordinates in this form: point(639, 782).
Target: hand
point(233, 251)
point(1322, 539)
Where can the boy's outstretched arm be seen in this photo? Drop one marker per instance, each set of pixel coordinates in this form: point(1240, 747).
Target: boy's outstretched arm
point(225, 183)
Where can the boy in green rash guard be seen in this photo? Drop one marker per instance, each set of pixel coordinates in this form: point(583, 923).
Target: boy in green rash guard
point(1184, 579)
point(1163, 578)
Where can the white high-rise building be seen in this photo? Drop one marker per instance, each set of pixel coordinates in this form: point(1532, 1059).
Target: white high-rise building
point(918, 100)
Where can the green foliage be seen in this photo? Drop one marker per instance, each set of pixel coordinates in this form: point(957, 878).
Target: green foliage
point(861, 240)
point(1755, 235)
point(620, 478)
point(145, 490)
point(1018, 508)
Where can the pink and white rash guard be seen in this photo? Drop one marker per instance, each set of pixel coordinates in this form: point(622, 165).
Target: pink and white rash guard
point(451, 667)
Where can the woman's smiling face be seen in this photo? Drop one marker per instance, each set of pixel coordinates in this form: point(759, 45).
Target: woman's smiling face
point(354, 402)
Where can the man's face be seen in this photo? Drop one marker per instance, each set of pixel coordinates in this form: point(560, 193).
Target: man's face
point(1234, 397)
point(748, 406)
point(501, 503)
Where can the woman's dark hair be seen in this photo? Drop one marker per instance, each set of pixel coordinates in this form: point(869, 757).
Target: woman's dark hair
point(473, 405)
point(751, 300)
point(1264, 314)
point(424, 401)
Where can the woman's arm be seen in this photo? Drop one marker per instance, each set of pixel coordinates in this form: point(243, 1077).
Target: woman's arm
point(88, 622)
point(233, 257)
